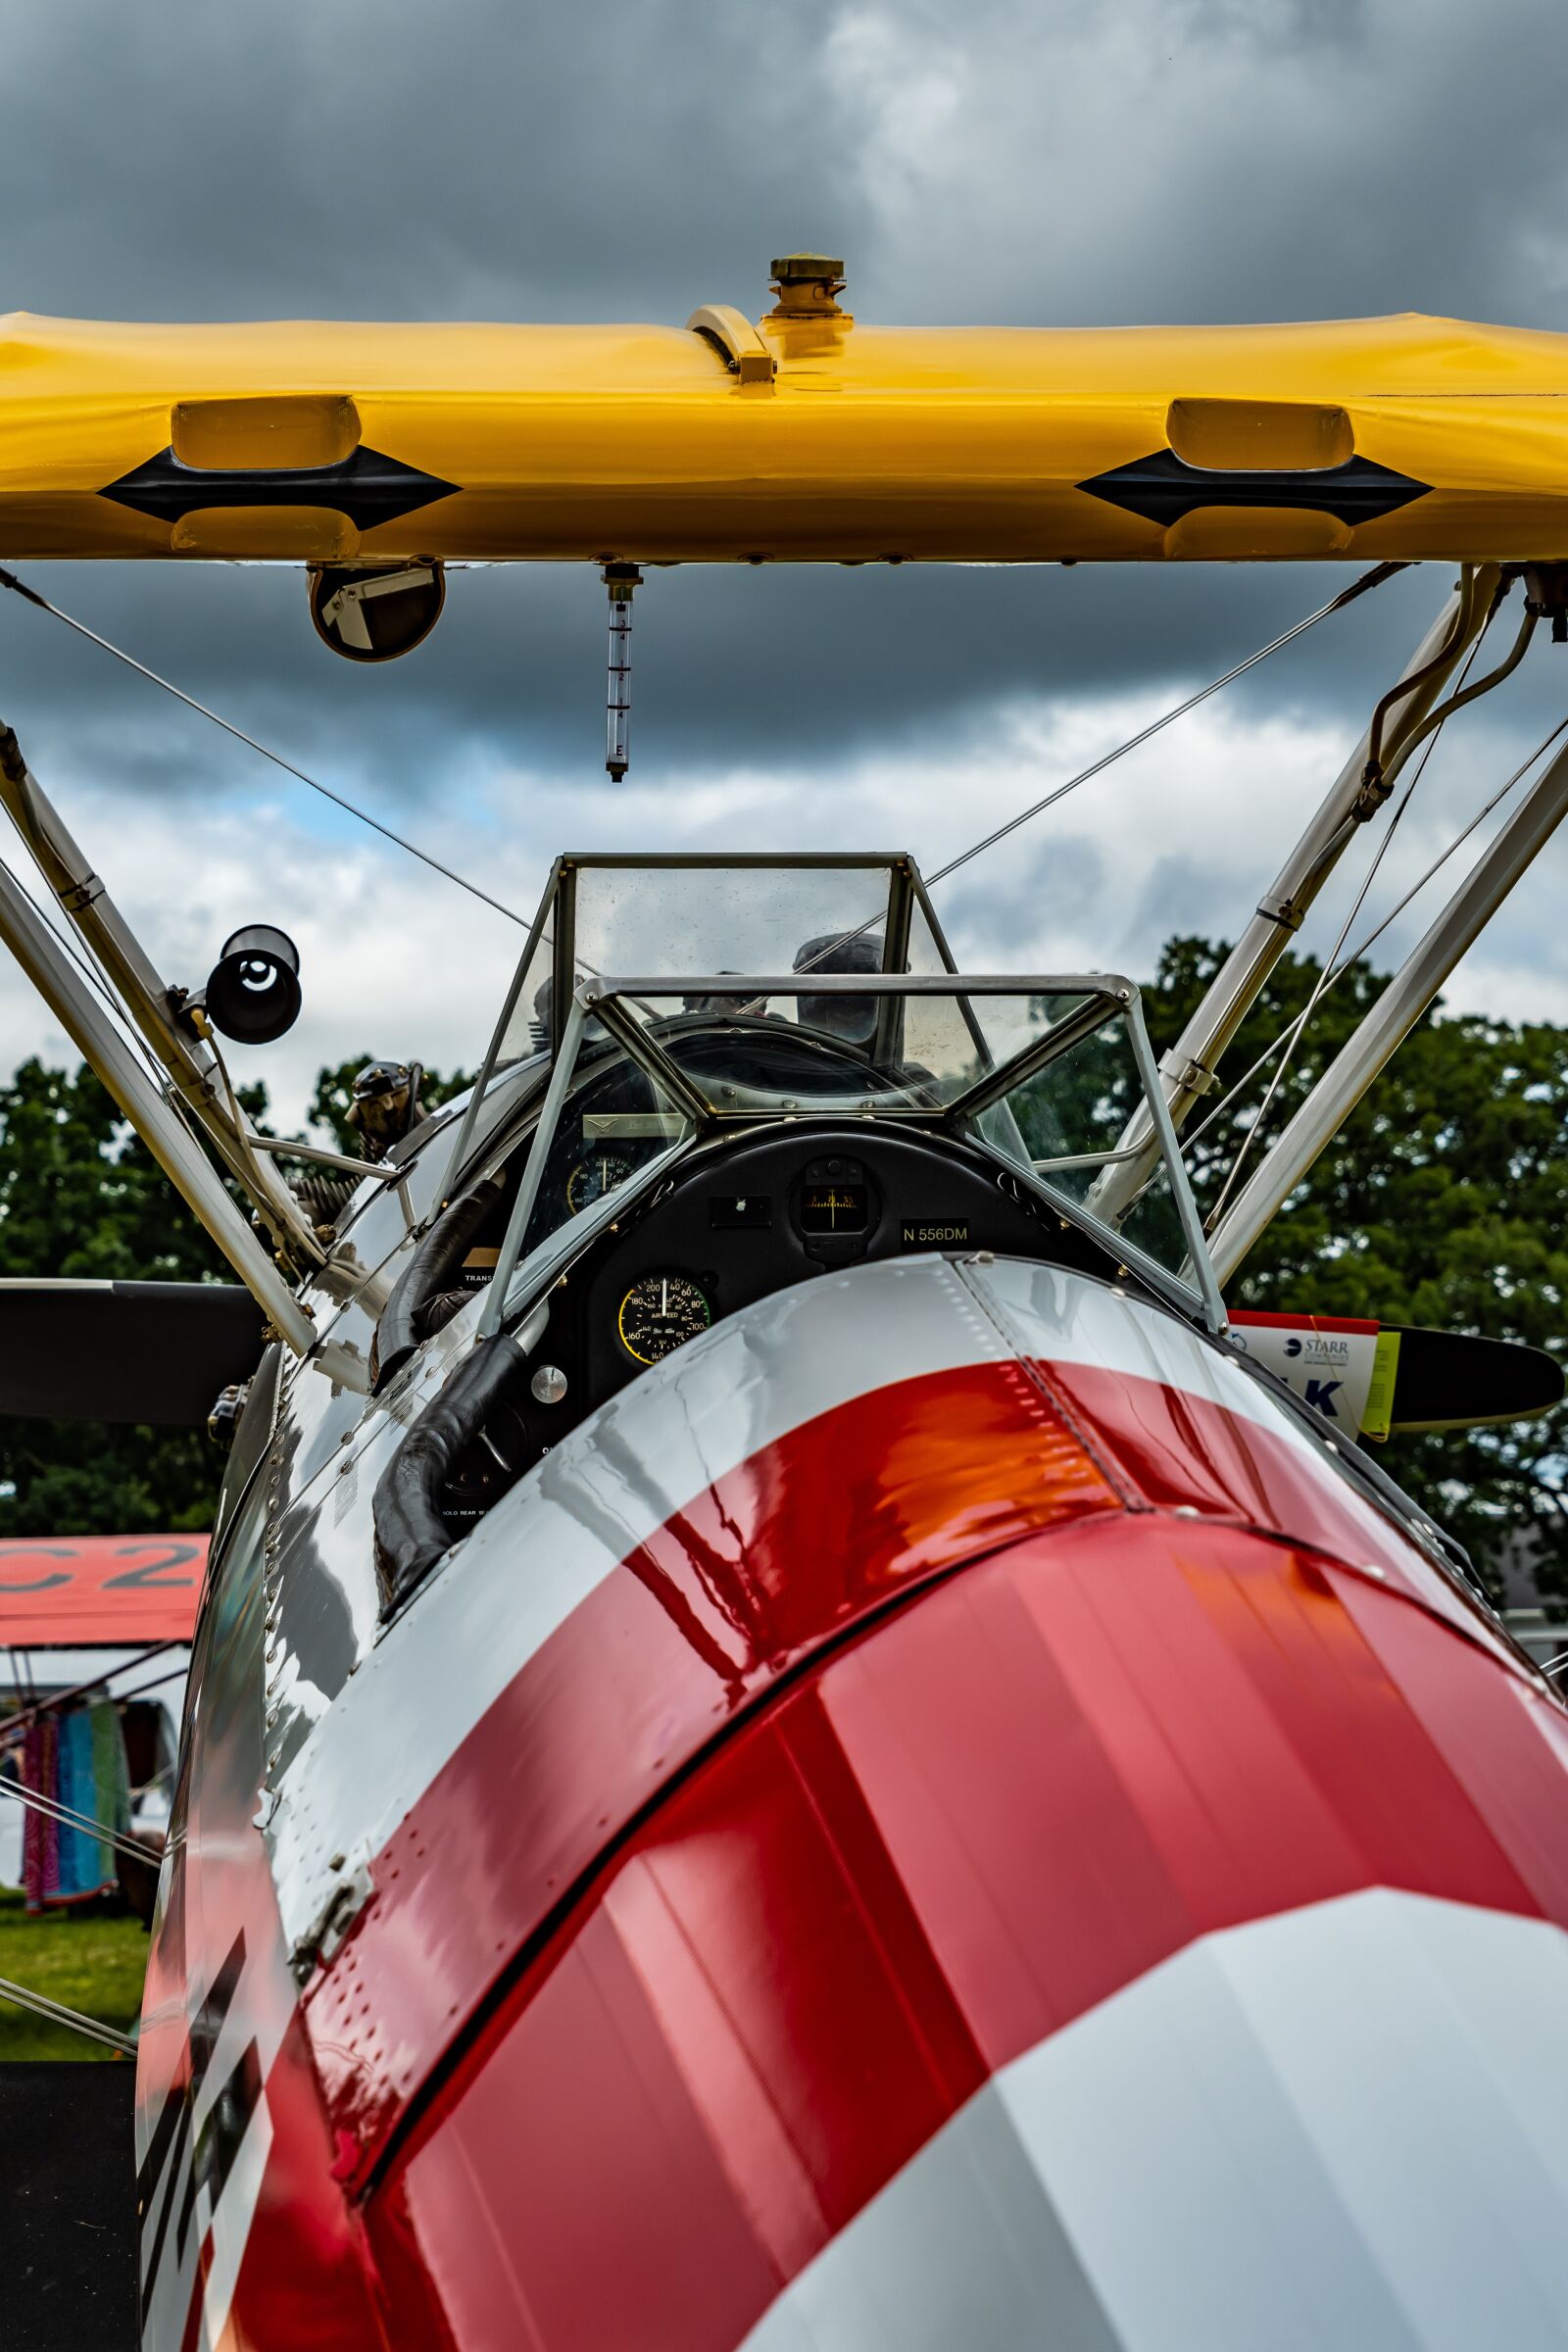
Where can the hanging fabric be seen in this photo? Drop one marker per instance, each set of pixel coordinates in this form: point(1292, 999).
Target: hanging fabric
point(75, 1758)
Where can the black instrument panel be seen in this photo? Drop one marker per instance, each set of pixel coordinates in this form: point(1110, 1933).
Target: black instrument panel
point(739, 1220)
point(747, 1218)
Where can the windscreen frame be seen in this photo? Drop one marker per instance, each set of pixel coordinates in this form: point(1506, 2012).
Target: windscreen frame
point(1108, 999)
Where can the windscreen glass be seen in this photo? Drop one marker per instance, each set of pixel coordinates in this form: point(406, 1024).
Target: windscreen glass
point(1065, 1121)
point(725, 920)
point(821, 1050)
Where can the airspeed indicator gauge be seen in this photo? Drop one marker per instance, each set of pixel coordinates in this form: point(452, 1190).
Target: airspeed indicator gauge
point(660, 1313)
point(602, 1172)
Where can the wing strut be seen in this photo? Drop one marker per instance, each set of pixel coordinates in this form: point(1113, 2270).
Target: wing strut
point(1188, 1071)
point(97, 1039)
point(1395, 1014)
point(190, 1061)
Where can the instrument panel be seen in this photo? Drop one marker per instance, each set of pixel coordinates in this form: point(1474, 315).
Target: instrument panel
point(749, 1216)
point(743, 1219)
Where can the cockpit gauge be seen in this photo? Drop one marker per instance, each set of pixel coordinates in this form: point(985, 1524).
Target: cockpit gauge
point(834, 1208)
point(600, 1173)
point(660, 1313)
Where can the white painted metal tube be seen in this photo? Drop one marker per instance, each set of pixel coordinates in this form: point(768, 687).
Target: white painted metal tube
point(1236, 987)
point(1393, 1015)
point(188, 1169)
point(83, 899)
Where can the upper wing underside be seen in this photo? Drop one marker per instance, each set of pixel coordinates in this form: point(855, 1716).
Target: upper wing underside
point(813, 440)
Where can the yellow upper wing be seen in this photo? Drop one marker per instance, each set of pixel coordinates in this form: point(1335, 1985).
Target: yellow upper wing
point(799, 439)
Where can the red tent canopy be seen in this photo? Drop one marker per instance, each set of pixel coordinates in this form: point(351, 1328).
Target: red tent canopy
point(105, 1590)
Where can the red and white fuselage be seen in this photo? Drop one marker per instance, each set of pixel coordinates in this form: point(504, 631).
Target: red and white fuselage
point(938, 1815)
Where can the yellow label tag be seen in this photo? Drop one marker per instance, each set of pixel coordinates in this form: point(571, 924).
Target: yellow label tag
point(1378, 1414)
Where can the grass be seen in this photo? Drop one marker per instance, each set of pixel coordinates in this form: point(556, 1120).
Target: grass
point(90, 1961)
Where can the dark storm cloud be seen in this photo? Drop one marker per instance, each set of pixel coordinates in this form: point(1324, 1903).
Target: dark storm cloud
point(1221, 159)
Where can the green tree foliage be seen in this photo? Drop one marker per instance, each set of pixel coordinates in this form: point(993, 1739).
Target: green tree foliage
point(79, 1196)
point(1440, 1202)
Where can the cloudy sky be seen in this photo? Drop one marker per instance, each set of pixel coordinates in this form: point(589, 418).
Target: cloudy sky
point(1043, 165)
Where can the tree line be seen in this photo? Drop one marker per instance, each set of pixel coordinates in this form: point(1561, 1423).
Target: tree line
point(1440, 1202)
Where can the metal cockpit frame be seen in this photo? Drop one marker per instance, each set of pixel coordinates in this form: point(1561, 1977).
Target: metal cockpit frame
point(1099, 999)
point(557, 914)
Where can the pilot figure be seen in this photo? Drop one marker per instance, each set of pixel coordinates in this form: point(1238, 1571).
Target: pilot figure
point(387, 1104)
point(851, 1018)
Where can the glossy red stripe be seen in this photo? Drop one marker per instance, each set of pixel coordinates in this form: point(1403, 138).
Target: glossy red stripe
point(775, 1558)
point(304, 2279)
point(991, 1811)
point(1179, 1449)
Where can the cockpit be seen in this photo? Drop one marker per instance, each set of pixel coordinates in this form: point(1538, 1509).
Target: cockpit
point(713, 1079)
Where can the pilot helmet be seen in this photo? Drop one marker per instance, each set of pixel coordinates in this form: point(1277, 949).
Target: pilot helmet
point(386, 1103)
point(852, 1018)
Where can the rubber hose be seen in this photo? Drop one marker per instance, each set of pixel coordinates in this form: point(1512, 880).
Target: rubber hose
point(438, 1256)
point(410, 1535)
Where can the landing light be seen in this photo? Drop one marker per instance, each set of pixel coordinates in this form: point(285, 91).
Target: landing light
point(253, 992)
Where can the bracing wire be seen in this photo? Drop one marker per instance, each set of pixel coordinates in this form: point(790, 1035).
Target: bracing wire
point(1277, 1078)
point(8, 579)
point(1363, 946)
point(57, 2013)
point(53, 1810)
point(1369, 580)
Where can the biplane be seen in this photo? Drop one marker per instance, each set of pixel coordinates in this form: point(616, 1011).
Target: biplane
point(795, 1738)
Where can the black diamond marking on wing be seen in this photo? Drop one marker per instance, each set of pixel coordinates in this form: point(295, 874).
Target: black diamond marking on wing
point(1162, 488)
point(366, 487)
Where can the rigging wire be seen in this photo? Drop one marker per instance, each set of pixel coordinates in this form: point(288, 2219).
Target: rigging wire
point(1319, 986)
point(57, 2014)
point(1363, 946)
point(1374, 578)
point(1369, 580)
point(51, 1809)
point(9, 580)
